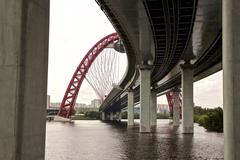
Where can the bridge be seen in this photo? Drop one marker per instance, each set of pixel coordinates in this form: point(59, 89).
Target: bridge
point(173, 44)
point(169, 45)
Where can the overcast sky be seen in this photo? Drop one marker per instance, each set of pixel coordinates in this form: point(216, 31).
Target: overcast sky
point(75, 26)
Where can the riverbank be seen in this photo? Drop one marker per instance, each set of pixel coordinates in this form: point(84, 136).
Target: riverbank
point(210, 119)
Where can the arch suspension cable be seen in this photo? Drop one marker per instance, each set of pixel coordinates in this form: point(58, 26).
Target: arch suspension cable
point(106, 64)
point(100, 67)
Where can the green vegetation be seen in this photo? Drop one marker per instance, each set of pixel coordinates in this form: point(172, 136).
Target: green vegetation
point(93, 114)
point(162, 116)
point(125, 115)
point(211, 119)
point(89, 115)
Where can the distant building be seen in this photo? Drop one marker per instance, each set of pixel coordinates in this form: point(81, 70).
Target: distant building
point(86, 109)
point(80, 105)
point(77, 105)
point(95, 103)
point(55, 105)
point(162, 108)
point(89, 106)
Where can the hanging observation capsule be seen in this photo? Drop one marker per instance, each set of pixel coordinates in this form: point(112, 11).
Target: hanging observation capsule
point(118, 46)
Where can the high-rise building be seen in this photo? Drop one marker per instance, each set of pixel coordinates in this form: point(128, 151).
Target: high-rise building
point(77, 105)
point(95, 103)
point(80, 105)
point(162, 108)
point(55, 105)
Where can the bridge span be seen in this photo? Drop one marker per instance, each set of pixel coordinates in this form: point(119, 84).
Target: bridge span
point(171, 51)
point(175, 43)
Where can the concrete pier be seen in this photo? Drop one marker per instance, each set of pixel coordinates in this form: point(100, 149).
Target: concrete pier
point(23, 76)
point(130, 108)
point(103, 116)
point(176, 109)
point(231, 78)
point(119, 116)
point(111, 116)
point(187, 98)
point(145, 93)
point(153, 110)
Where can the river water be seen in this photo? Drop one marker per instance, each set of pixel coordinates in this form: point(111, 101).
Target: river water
point(96, 140)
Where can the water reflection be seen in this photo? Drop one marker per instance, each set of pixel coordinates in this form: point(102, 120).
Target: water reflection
point(173, 144)
point(187, 146)
point(95, 140)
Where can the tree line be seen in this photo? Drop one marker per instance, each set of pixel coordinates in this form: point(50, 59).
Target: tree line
point(211, 119)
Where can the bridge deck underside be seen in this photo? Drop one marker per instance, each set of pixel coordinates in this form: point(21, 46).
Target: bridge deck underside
point(180, 28)
point(172, 23)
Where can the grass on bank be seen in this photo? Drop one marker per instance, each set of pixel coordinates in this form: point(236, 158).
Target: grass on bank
point(211, 119)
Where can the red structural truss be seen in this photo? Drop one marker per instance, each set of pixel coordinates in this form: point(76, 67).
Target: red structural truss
point(170, 100)
point(169, 96)
point(71, 93)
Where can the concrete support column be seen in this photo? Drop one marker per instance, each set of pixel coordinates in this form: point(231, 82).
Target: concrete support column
point(145, 94)
point(231, 78)
point(103, 116)
point(107, 116)
point(23, 76)
point(153, 111)
point(187, 97)
point(130, 108)
point(111, 116)
point(176, 109)
point(119, 118)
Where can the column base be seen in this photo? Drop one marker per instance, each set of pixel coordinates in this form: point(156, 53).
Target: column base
point(144, 129)
point(103, 116)
point(153, 128)
point(176, 124)
point(187, 130)
point(130, 126)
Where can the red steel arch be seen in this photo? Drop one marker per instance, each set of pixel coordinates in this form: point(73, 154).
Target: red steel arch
point(71, 93)
point(170, 99)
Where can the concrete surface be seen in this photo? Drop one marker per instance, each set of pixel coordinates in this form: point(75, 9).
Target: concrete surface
point(23, 77)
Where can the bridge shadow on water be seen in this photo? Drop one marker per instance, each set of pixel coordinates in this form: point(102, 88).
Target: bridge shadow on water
point(168, 143)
